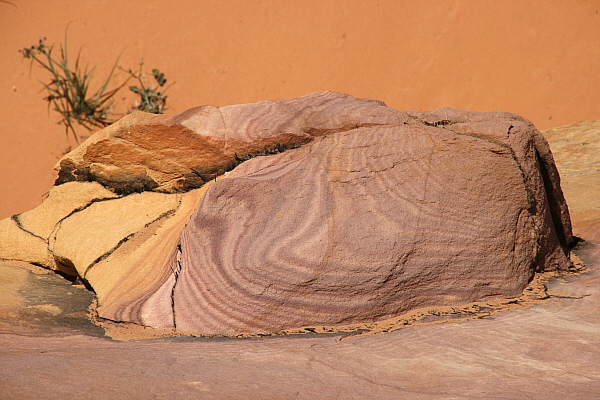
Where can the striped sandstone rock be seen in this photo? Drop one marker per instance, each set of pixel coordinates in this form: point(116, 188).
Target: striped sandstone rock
point(326, 210)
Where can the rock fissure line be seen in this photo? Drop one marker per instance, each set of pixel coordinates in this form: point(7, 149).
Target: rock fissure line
point(259, 170)
point(78, 209)
point(443, 122)
point(96, 318)
point(526, 184)
point(176, 272)
point(266, 151)
point(18, 222)
point(128, 237)
point(344, 128)
point(419, 232)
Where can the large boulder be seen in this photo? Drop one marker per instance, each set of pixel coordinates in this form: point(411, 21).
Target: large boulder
point(319, 210)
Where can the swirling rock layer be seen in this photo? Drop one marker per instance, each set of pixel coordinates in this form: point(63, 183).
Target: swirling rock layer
point(362, 225)
point(336, 210)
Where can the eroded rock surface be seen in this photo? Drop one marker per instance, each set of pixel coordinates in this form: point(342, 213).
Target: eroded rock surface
point(336, 210)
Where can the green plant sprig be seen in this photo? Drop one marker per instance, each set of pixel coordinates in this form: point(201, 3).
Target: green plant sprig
point(152, 99)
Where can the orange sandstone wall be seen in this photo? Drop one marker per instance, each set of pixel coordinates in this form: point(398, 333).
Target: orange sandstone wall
point(536, 58)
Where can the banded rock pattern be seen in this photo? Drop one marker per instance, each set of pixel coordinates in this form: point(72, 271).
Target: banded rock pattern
point(336, 210)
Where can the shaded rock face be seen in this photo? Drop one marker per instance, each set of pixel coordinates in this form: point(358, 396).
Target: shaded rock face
point(335, 210)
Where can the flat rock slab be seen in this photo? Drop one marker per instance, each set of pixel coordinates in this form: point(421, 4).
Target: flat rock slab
point(35, 301)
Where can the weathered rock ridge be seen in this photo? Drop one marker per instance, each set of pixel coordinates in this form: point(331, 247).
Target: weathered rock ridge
point(319, 210)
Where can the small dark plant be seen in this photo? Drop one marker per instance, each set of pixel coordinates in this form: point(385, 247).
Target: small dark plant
point(152, 98)
point(70, 95)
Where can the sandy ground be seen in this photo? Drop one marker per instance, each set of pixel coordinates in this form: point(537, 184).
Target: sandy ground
point(538, 59)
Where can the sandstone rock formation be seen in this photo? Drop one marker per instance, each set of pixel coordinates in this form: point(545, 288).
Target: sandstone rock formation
point(335, 210)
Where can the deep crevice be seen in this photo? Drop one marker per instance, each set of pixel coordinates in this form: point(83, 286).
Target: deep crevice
point(278, 148)
point(575, 242)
